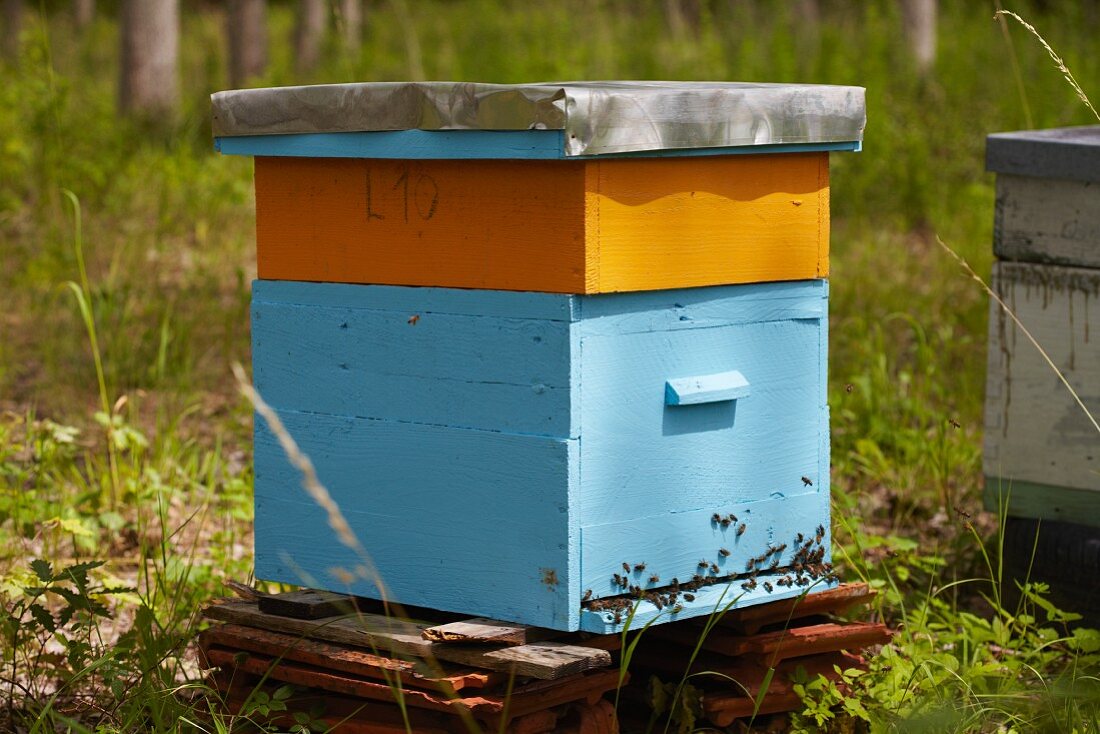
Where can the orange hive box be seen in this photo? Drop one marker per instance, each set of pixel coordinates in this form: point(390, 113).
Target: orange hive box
point(590, 226)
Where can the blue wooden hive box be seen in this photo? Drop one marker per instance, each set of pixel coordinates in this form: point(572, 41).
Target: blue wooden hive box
point(557, 352)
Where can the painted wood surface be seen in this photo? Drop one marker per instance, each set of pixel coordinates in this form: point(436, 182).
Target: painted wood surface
point(642, 458)
point(1047, 220)
point(414, 365)
point(486, 519)
point(464, 144)
point(1035, 432)
point(715, 388)
point(1042, 501)
point(459, 520)
point(562, 227)
point(673, 545)
point(682, 223)
point(1068, 153)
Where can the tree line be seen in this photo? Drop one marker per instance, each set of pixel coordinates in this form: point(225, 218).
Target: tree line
point(149, 33)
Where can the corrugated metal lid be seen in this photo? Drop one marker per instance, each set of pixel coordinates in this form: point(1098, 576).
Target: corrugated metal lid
point(598, 118)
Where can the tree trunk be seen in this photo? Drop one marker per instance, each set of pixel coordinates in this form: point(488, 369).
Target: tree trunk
point(83, 13)
point(919, 17)
point(351, 24)
point(247, 40)
point(149, 32)
point(12, 11)
point(309, 33)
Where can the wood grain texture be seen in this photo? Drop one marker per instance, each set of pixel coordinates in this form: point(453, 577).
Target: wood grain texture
point(676, 224)
point(544, 660)
point(486, 631)
point(555, 226)
point(485, 372)
point(490, 224)
point(642, 458)
point(460, 520)
point(418, 673)
point(471, 497)
point(1034, 431)
point(1047, 220)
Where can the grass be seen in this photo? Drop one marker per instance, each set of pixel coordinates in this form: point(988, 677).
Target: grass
point(123, 437)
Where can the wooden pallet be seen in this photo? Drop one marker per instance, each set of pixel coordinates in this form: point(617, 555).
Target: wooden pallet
point(455, 673)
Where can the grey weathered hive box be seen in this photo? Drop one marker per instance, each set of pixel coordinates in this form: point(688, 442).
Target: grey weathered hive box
point(1042, 453)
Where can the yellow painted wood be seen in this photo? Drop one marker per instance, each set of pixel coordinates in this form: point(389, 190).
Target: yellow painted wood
point(673, 223)
point(590, 226)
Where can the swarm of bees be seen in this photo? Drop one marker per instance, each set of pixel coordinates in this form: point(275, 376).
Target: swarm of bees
point(806, 565)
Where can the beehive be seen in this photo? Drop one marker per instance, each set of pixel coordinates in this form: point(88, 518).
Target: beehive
point(1042, 458)
point(547, 346)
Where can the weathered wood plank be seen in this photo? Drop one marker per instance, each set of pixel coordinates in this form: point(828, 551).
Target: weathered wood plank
point(825, 601)
point(1034, 430)
point(518, 702)
point(306, 604)
point(487, 631)
point(438, 676)
point(782, 644)
point(546, 660)
point(1047, 220)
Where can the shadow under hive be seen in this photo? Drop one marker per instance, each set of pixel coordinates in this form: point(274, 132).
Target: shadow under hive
point(561, 358)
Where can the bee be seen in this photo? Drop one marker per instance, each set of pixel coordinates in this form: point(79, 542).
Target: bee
point(618, 616)
point(849, 387)
point(639, 567)
point(656, 601)
point(678, 608)
point(798, 566)
point(689, 597)
point(767, 587)
point(724, 522)
point(626, 567)
point(750, 564)
point(955, 424)
point(413, 319)
point(654, 579)
point(799, 538)
point(962, 512)
point(714, 568)
point(587, 595)
point(675, 583)
point(716, 518)
point(806, 481)
point(704, 563)
point(746, 586)
point(618, 579)
point(781, 547)
point(774, 565)
point(741, 530)
point(723, 552)
point(732, 517)
point(820, 531)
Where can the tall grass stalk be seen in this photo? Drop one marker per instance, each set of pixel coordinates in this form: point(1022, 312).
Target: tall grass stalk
point(83, 294)
point(1020, 325)
point(1057, 60)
